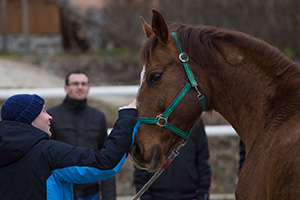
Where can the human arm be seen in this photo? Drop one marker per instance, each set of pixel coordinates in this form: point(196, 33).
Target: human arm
point(83, 165)
point(108, 159)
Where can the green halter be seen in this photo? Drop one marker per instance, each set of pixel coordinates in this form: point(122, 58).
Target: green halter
point(162, 119)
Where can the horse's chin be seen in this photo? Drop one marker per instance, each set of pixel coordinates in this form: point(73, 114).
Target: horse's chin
point(149, 167)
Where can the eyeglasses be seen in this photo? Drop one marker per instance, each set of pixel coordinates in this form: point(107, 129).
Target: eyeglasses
point(76, 84)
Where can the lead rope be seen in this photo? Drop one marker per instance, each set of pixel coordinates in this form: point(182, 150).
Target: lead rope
point(171, 157)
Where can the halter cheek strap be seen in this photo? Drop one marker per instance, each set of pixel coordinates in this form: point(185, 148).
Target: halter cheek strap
point(162, 119)
point(184, 59)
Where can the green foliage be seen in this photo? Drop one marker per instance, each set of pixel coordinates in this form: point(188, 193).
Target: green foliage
point(12, 55)
point(115, 51)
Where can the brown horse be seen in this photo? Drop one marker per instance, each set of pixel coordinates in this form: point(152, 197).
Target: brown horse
point(252, 84)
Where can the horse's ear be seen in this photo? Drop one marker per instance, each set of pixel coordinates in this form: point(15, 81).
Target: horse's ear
point(147, 28)
point(159, 26)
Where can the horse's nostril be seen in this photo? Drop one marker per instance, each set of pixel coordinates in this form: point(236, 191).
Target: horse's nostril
point(136, 151)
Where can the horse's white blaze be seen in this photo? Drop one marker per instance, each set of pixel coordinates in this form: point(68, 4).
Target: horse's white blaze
point(142, 78)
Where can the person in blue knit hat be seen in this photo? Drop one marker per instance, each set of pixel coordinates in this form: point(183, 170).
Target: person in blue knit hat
point(22, 108)
point(34, 167)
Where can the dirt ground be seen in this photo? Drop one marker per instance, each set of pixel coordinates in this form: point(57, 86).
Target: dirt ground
point(14, 74)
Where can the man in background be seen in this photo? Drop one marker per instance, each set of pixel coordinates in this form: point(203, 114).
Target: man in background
point(76, 123)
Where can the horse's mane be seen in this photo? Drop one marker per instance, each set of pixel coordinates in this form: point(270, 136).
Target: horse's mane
point(206, 41)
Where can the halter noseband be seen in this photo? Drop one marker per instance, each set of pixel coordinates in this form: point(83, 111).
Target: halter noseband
point(162, 119)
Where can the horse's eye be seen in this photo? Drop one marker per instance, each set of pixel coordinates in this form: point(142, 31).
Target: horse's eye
point(155, 77)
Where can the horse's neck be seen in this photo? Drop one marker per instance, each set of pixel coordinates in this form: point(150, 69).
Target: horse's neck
point(252, 101)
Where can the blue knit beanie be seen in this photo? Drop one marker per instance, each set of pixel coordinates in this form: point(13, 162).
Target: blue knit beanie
point(22, 108)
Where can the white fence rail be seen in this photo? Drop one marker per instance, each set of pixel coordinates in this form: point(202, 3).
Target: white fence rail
point(218, 130)
point(106, 91)
point(129, 90)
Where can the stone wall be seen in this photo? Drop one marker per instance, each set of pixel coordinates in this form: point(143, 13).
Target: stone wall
point(41, 45)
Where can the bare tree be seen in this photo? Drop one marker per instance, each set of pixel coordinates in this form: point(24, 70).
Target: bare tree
point(123, 17)
point(4, 25)
point(276, 21)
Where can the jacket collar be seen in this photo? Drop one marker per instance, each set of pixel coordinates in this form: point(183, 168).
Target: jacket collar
point(74, 104)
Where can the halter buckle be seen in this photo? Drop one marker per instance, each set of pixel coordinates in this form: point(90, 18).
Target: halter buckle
point(161, 120)
point(183, 57)
point(199, 94)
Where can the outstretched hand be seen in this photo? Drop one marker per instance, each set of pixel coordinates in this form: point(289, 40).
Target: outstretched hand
point(131, 105)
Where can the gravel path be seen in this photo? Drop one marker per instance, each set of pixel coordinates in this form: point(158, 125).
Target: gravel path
point(14, 74)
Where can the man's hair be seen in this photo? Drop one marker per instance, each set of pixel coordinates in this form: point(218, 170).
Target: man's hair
point(77, 71)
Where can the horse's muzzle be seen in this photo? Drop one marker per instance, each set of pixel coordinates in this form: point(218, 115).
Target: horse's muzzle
point(146, 160)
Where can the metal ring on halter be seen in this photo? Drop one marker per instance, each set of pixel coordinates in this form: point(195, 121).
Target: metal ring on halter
point(183, 57)
point(161, 118)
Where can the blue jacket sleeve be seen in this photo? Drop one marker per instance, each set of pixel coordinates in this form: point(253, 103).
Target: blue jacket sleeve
point(83, 165)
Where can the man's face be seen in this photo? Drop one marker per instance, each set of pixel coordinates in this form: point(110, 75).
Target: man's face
point(78, 87)
point(42, 121)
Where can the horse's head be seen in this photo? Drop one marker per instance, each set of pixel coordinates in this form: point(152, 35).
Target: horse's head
point(162, 79)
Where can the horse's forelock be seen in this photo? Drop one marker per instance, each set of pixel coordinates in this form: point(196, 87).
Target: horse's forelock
point(196, 42)
point(147, 48)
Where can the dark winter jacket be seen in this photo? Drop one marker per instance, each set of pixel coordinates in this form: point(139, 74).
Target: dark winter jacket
point(77, 124)
point(188, 176)
point(34, 167)
point(242, 154)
